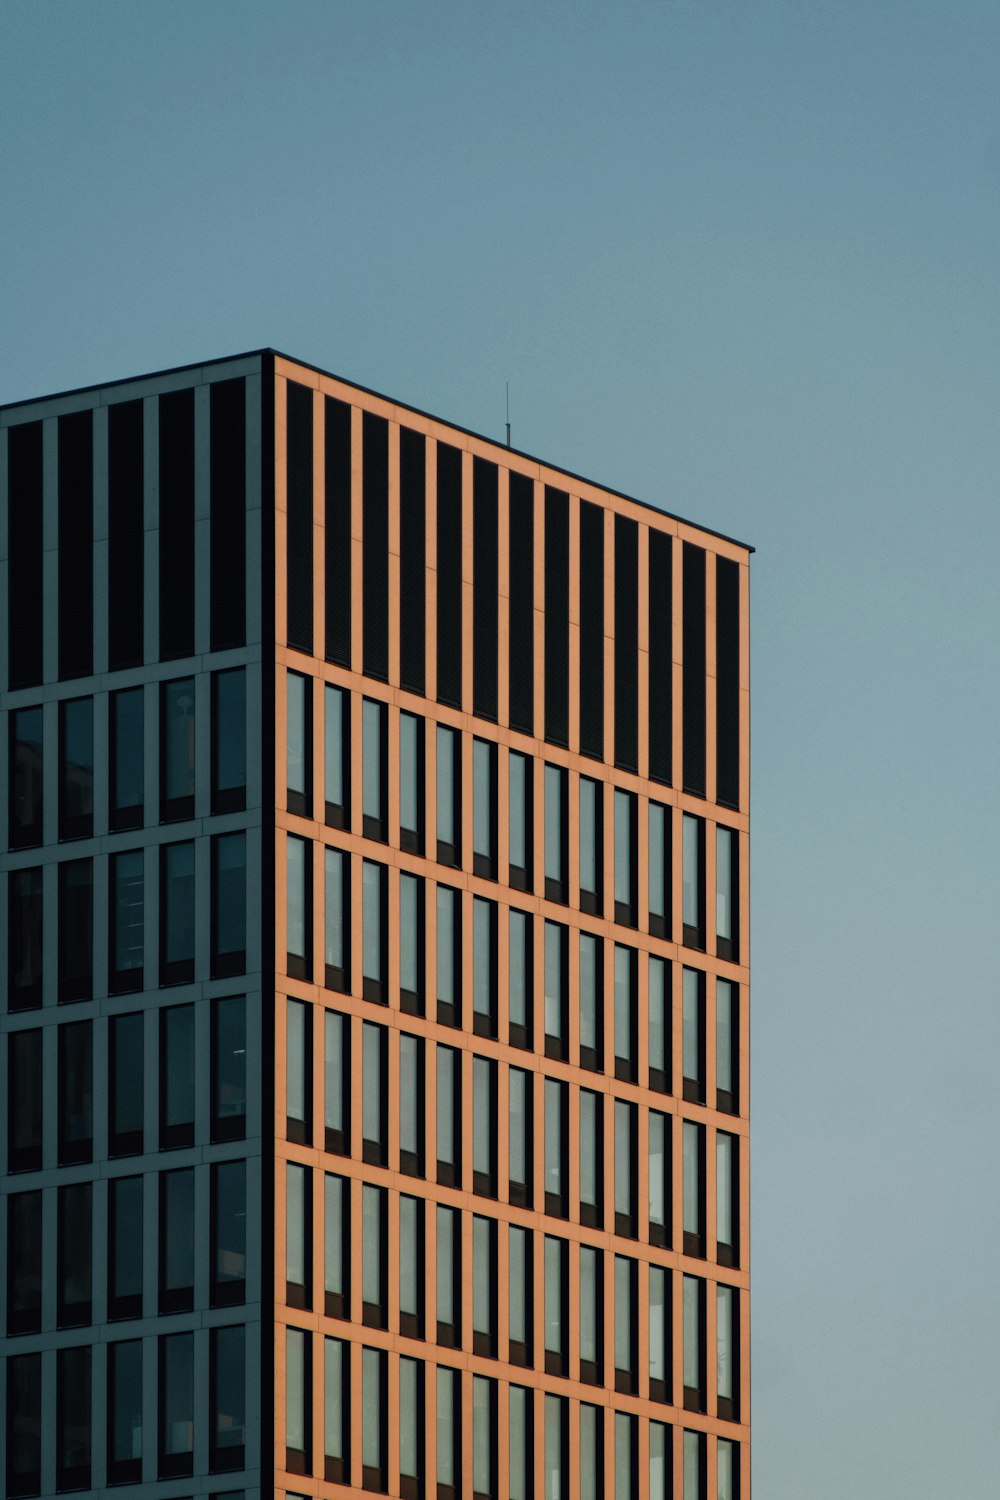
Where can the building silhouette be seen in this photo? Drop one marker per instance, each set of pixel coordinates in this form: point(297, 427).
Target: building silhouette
point(374, 987)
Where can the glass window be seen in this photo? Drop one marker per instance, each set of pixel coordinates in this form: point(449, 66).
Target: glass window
point(24, 1424)
point(374, 1103)
point(73, 1424)
point(298, 1072)
point(727, 1046)
point(177, 913)
point(411, 1424)
point(227, 1384)
point(660, 1461)
point(484, 808)
point(176, 1076)
point(24, 947)
point(591, 1452)
point(374, 1290)
point(76, 768)
point(229, 1233)
point(177, 757)
point(411, 943)
point(694, 1188)
point(125, 1412)
point(373, 1420)
point(659, 1333)
point(555, 1148)
point(449, 1270)
point(591, 1018)
point(519, 978)
point(449, 956)
point(125, 1247)
point(298, 1400)
point(336, 1243)
point(555, 1306)
point(694, 1343)
point(299, 743)
point(337, 923)
point(625, 1168)
point(126, 1048)
point(411, 1104)
point(484, 967)
point(176, 1404)
point(76, 1093)
point(127, 758)
point(336, 1409)
point(484, 1285)
point(591, 1157)
point(694, 1465)
point(229, 904)
point(555, 834)
point(176, 1241)
point(24, 1263)
point(298, 854)
point(448, 1430)
point(337, 1083)
point(727, 893)
point(555, 989)
point(26, 778)
point(337, 755)
point(411, 782)
point(590, 845)
point(24, 1101)
point(374, 786)
point(229, 740)
point(659, 870)
point(229, 1068)
point(374, 935)
point(522, 1447)
point(727, 1347)
point(659, 1178)
point(625, 858)
point(659, 1024)
point(519, 828)
point(519, 1293)
point(484, 1393)
point(556, 1477)
point(126, 939)
point(519, 1136)
point(591, 1315)
point(411, 1266)
point(449, 1095)
point(693, 1035)
point(484, 1089)
point(693, 851)
point(76, 930)
point(74, 1251)
point(449, 803)
point(728, 1466)
point(626, 1009)
point(726, 1198)
point(625, 1298)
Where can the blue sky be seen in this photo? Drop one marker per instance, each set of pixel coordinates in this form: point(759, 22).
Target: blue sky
point(739, 259)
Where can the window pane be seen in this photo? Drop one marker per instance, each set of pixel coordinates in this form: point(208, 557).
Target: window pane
point(692, 1332)
point(127, 757)
point(484, 962)
point(229, 1210)
point(337, 914)
point(372, 1403)
point(177, 938)
point(554, 1138)
point(589, 855)
point(554, 824)
point(553, 1295)
point(725, 1153)
point(659, 1015)
point(126, 1044)
point(25, 772)
point(176, 1240)
point(177, 1397)
point(658, 1312)
point(554, 980)
point(410, 1418)
point(372, 1217)
point(410, 798)
point(519, 1247)
point(127, 871)
point(298, 750)
point(177, 1075)
point(521, 1446)
point(591, 1311)
point(24, 951)
point(372, 1099)
point(229, 743)
point(590, 1166)
point(624, 1131)
point(229, 1082)
point(177, 741)
point(518, 793)
point(76, 769)
point(335, 1235)
point(728, 1467)
point(296, 856)
point(692, 872)
point(335, 1403)
point(24, 1101)
point(76, 929)
point(518, 966)
point(337, 1055)
point(76, 1093)
point(372, 944)
point(658, 1167)
point(447, 916)
point(447, 1081)
point(334, 741)
point(693, 1478)
point(725, 853)
point(482, 1435)
point(125, 1408)
point(623, 1313)
point(410, 1256)
point(624, 895)
point(657, 858)
point(553, 1448)
point(447, 770)
point(590, 1006)
point(372, 803)
point(624, 1003)
point(230, 853)
point(447, 1416)
point(518, 1087)
point(659, 1461)
point(410, 934)
point(228, 1377)
point(125, 1248)
point(693, 1027)
point(297, 1356)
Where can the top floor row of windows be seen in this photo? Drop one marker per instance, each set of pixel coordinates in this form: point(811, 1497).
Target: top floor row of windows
point(559, 601)
point(122, 481)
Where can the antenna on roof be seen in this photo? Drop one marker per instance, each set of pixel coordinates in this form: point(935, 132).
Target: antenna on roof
point(508, 413)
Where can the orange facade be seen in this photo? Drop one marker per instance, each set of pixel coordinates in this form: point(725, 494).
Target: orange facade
point(665, 1425)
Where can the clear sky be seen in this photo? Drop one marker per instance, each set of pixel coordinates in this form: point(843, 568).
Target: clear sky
point(739, 258)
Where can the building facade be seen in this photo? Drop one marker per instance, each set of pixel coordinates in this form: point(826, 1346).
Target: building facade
point(374, 1021)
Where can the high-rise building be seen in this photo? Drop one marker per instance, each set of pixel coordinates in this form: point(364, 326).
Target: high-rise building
point(373, 1024)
